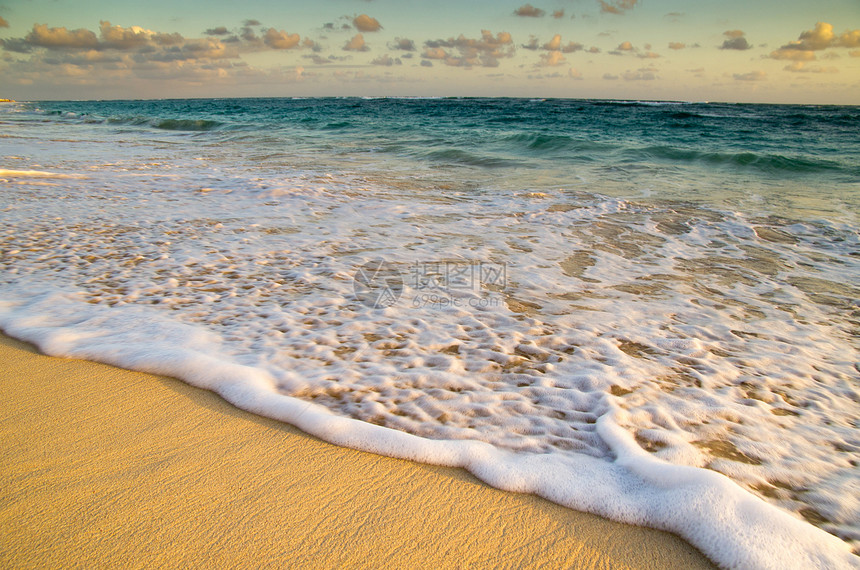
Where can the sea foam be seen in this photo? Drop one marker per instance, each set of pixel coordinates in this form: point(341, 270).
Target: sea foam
point(733, 527)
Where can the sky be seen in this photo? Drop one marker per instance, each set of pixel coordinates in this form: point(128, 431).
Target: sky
point(788, 51)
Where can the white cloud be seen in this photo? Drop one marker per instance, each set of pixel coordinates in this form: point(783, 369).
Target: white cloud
point(365, 23)
point(820, 38)
point(801, 67)
point(61, 38)
point(642, 74)
point(356, 44)
point(751, 76)
point(529, 11)
point(386, 60)
point(403, 44)
point(552, 59)
point(280, 39)
point(617, 6)
point(485, 51)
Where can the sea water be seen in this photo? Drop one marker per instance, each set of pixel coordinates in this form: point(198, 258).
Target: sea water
point(643, 310)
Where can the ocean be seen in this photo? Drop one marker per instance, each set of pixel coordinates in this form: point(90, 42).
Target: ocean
point(645, 310)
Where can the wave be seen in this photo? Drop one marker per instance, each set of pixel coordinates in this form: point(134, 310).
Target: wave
point(685, 115)
point(186, 124)
point(163, 124)
point(337, 125)
point(134, 121)
point(770, 163)
point(139, 121)
point(462, 157)
point(543, 142)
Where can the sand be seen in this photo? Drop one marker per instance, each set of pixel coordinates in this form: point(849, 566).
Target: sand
point(103, 467)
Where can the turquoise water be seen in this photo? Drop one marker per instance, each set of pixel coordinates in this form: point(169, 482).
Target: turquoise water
point(802, 160)
point(647, 310)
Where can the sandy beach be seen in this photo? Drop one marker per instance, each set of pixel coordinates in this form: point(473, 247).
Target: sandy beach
point(106, 467)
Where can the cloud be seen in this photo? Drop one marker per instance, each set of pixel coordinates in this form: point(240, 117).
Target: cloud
point(800, 67)
point(617, 6)
point(792, 54)
point(485, 51)
point(554, 48)
point(558, 14)
point(627, 48)
point(219, 31)
point(435, 53)
point(735, 40)
point(820, 38)
point(196, 49)
point(574, 73)
point(610, 77)
point(855, 53)
point(646, 74)
point(426, 63)
point(280, 39)
point(356, 44)
point(751, 76)
point(3, 22)
point(310, 44)
point(365, 23)
point(61, 38)
point(251, 23)
point(677, 45)
point(17, 45)
point(555, 45)
point(402, 44)
point(386, 60)
point(117, 37)
point(849, 39)
point(146, 53)
point(529, 11)
point(318, 59)
point(552, 59)
point(112, 38)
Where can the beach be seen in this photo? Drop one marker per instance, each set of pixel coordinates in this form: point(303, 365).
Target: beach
point(659, 330)
point(107, 467)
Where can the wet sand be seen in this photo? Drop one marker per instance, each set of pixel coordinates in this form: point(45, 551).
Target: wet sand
point(106, 467)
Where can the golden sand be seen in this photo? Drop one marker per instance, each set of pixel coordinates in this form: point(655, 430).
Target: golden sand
point(103, 467)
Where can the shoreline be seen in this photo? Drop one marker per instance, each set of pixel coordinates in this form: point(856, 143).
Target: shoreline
point(105, 466)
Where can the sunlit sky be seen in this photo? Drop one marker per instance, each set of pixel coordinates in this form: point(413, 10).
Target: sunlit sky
point(790, 51)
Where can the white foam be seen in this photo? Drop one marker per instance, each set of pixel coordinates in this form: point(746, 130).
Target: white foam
point(7, 173)
point(730, 525)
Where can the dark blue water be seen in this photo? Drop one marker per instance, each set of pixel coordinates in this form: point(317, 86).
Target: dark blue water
point(782, 156)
